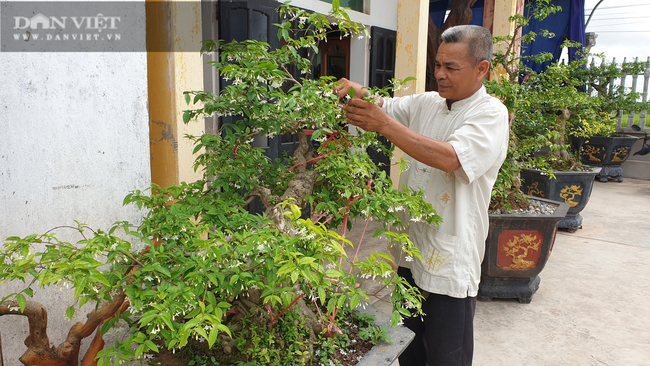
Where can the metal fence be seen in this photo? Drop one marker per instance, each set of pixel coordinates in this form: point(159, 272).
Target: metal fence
point(625, 119)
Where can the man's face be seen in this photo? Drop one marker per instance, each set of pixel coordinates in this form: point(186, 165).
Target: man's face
point(457, 77)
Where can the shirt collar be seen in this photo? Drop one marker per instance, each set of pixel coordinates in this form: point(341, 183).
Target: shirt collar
point(462, 103)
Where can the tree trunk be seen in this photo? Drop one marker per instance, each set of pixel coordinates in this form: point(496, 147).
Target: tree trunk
point(460, 14)
point(39, 352)
point(1, 363)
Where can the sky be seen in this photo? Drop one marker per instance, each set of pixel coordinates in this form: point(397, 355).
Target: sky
point(622, 26)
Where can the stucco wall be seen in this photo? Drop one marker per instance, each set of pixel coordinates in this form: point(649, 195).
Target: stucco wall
point(74, 140)
point(380, 13)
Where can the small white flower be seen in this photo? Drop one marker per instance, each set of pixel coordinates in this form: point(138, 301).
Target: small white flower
point(302, 20)
point(408, 258)
point(14, 308)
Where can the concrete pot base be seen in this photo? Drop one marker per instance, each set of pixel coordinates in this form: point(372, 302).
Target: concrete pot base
point(521, 289)
point(610, 171)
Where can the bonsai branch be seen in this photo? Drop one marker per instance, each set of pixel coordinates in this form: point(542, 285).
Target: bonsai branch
point(39, 351)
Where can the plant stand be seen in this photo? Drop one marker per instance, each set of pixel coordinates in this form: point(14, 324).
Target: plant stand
point(610, 171)
point(516, 250)
point(521, 289)
point(573, 188)
point(608, 153)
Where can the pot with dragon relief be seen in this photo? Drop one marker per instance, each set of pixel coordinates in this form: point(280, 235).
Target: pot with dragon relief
point(573, 188)
point(517, 248)
point(608, 153)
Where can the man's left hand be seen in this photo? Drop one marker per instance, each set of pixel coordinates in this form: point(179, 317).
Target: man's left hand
point(366, 115)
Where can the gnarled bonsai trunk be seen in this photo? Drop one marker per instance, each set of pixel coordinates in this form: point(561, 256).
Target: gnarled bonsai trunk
point(298, 188)
point(39, 351)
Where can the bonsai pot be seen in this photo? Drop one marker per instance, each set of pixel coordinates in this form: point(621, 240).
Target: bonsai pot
point(573, 188)
point(608, 153)
point(516, 250)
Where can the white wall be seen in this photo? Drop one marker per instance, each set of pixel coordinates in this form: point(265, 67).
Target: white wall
point(74, 140)
point(380, 13)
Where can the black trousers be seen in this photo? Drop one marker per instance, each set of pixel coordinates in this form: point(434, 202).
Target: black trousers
point(445, 336)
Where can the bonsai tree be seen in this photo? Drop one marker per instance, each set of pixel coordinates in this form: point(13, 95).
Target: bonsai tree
point(507, 83)
point(548, 109)
point(202, 271)
point(611, 101)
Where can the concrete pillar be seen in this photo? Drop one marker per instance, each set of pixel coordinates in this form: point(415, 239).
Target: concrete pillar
point(174, 33)
point(495, 18)
point(411, 54)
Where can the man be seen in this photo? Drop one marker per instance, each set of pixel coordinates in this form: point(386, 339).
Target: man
point(456, 139)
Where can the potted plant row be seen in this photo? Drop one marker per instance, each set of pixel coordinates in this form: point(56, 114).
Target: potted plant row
point(524, 215)
point(607, 148)
point(203, 274)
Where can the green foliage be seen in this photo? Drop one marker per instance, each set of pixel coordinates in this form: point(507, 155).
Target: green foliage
point(507, 64)
point(199, 250)
point(549, 110)
point(610, 100)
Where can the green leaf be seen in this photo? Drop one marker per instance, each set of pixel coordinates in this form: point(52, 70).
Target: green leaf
point(354, 301)
point(152, 346)
point(70, 312)
point(29, 292)
point(139, 351)
point(333, 273)
point(394, 320)
point(108, 325)
point(213, 336)
point(22, 302)
point(98, 277)
point(306, 260)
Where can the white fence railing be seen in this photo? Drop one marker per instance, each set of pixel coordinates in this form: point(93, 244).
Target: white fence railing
point(625, 119)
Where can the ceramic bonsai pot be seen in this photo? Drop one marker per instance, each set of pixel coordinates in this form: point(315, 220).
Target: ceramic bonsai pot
point(573, 188)
point(516, 250)
point(608, 153)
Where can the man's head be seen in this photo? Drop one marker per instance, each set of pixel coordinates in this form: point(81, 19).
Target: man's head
point(463, 61)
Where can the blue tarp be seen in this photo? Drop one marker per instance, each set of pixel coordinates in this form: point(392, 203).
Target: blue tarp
point(567, 24)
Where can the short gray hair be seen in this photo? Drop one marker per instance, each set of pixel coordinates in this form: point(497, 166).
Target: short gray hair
point(478, 39)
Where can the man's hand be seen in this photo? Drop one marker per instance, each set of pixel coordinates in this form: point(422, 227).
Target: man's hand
point(367, 116)
point(344, 85)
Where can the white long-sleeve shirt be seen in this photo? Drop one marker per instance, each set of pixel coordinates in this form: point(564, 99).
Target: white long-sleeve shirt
point(477, 128)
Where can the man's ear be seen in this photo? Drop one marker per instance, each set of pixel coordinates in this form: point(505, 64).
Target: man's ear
point(483, 68)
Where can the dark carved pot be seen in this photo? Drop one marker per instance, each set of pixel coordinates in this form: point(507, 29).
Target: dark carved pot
point(516, 250)
point(608, 153)
point(573, 188)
